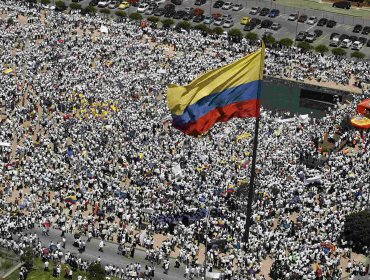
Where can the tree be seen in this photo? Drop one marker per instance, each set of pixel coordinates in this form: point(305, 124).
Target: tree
point(75, 6)
point(338, 52)
point(90, 10)
point(218, 30)
point(120, 14)
point(136, 16)
point(96, 271)
point(10, 21)
point(28, 258)
point(235, 32)
point(105, 11)
point(45, 2)
point(321, 49)
point(202, 27)
point(269, 40)
point(357, 230)
point(251, 36)
point(153, 19)
point(167, 22)
point(184, 25)
point(60, 5)
point(305, 46)
point(358, 54)
point(286, 42)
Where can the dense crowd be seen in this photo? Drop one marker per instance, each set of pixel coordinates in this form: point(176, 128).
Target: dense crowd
point(86, 119)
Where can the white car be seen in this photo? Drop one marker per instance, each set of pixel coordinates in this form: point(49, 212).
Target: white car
point(312, 20)
point(310, 37)
point(103, 4)
point(219, 21)
point(142, 7)
point(160, 1)
point(228, 23)
point(237, 7)
point(346, 43)
point(357, 45)
point(227, 6)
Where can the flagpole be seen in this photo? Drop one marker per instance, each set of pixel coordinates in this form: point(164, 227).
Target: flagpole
point(254, 158)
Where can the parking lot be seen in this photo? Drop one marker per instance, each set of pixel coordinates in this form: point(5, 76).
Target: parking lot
point(289, 29)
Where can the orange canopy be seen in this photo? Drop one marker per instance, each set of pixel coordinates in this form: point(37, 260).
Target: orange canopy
point(361, 122)
point(364, 107)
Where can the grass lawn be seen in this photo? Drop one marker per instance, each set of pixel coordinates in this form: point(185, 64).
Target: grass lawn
point(38, 272)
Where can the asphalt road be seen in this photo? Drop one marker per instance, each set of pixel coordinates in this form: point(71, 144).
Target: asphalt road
point(109, 256)
point(345, 23)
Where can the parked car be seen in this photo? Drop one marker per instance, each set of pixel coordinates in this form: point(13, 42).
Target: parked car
point(274, 13)
point(353, 38)
point(93, 2)
point(342, 5)
point(208, 20)
point(227, 6)
point(331, 23)
point(293, 17)
point(228, 23)
point(343, 36)
point(188, 16)
point(227, 16)
point(245, 20)
point(159, 12)
point(363, 40)
point(312, 20)
point(357, 28)
point(218, 4)
point(255, 10)
point(179, 14)
point(114, 4)
point(169, 13)
point(346, 43)
point(322, 22)
point(266, 23)
point(124, 5)
point(150, 10)
point(237, 7)
point(219, 21)
point(334, 34)
point(264, 12)
point(357, 45)
point(302, 18)
point(368, 44)
point(335, 41)
point(250, 26)
point(275, 26)
point(176, 2)
point(301, 36)
point(200, 2)
point(199, 18)
point(311, 36)
point(142, 7)
point(103, 4)
point(366, 30)
point(169, 7)
point(318, 32)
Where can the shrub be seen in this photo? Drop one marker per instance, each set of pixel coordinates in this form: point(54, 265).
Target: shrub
point(269, 40)
point(45, 2)
point(96, 271)
point(305, 46)
point(357, 230)
point(60, 5)
point(251, 36)
point(235, 32)
point(184, 25)
point(287, 42)
point(75, 6)
point(339, 52)
point(321, 49)
point(202, 27)
point(105, 11)
point(120, 14)
point(28, 258)
point(136, 16)
point(167, 22)
point(358, 55)
point(218, 30)
point(153, 19)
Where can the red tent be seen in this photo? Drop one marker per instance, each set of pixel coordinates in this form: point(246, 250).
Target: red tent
point(364, 107)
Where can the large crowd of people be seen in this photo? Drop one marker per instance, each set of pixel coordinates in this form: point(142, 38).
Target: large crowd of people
point(87, 148)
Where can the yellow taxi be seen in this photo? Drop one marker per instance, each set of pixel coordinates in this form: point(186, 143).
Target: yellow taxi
point(245, 20)
point(124, 5)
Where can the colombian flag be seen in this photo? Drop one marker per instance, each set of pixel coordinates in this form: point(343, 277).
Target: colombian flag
point(232, 91)
point(71, 199)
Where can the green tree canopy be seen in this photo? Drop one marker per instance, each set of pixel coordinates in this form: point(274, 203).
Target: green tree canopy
point(60, 5)
point(75, 6)
point(90, 10)
point(269, 40)
point(321, 49)
point(287, 42)
point(218, 30)
point(358, 54)
point(338, 52)
point(202, 27)
point(167, 22)
point(305, 46)
point(28, 258)
point(357, 230)
point(105, 11)
point(251, 36)
point(96, 271)
point(120, 14)
point(136, 16)
point(184, 25)
point(153, 19)
point(45, 2)
point(235, 32)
